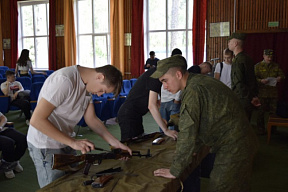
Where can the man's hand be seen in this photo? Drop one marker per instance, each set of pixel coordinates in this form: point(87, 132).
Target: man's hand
point(255, 101)
point(164, 173)
point(15, 95)
point(279, 79)
point(264, 81)
point(171, 133)
point(120, 145)
point(83, 145)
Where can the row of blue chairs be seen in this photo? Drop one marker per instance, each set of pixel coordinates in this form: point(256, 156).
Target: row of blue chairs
point(3, 70)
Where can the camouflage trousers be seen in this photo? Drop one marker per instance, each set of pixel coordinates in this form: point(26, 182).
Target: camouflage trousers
point(233, 166)
point(268, 105)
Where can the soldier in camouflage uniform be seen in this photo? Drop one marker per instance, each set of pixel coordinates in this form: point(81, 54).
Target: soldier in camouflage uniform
point(243, 81)
point(268, 94)
point(210, 115)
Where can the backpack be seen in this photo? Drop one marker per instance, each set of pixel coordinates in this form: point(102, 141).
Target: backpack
point(221, 68)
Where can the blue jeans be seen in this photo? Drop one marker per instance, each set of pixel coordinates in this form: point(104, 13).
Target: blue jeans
point(43, 162)
point(167, 109)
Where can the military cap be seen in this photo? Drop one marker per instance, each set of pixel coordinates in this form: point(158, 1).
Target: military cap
point(240, 36)
point(268, 52)
point(165, 64)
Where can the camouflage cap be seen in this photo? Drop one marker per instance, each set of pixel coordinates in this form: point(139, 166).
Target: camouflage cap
point(165, 64)
point(240, 36)
point(268, 52)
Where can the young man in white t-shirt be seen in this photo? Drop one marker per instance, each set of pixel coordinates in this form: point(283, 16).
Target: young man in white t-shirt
point(223, 69)
point(64, 99)
point(12, 88)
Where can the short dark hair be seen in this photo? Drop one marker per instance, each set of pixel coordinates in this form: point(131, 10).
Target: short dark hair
point(113, 77)
point(9, 73)
point(208, 64)
point(176, 51)
point(152, 53)
point(227, 52)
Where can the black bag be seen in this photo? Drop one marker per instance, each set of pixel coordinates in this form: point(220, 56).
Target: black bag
point(282, 109)
point(24, 95)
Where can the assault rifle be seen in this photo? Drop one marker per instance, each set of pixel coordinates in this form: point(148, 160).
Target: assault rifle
point(64, 161)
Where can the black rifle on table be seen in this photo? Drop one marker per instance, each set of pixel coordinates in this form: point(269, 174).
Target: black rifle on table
point(64, 161)
point(142, 138)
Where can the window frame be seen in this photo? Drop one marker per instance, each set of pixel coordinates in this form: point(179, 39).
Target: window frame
point(93, 34)
point(21, 37)
point(167, 31)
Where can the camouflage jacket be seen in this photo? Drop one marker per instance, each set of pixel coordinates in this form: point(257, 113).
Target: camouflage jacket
point(243, 81)
point(210, 115)
point(264, 70)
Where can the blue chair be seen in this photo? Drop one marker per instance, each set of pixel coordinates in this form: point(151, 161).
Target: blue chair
point(25, 81)
point(1, 76)
point(38, 78)
point(126, 87)
point(106, 106)
point(133, 81)
point(2, 72)
point(49, 72)
point(34, 93)
point(5, 68)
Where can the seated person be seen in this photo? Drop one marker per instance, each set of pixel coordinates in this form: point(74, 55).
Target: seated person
point(12, 88)
point(24, 64)
point(152, 61)
point(13, 146)
point(204, 68)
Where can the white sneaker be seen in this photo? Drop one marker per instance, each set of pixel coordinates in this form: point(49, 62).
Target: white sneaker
point(27, 122)
point(9, 174)
point(18, 167)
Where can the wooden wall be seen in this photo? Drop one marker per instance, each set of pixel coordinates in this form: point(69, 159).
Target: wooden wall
point(249, 16)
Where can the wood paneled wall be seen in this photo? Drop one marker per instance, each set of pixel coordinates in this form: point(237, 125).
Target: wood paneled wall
point(250, 16)
point(253, 16)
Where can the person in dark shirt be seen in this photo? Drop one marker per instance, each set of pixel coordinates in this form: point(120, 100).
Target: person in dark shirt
point(152, 61)
point(243, 80)
point(143, 97)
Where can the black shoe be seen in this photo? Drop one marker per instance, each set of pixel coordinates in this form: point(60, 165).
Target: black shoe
point(7, 166)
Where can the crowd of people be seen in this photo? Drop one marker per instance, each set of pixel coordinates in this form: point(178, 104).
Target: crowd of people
point(213, 112)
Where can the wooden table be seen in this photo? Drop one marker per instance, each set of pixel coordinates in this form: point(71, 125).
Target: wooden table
point(126, 181)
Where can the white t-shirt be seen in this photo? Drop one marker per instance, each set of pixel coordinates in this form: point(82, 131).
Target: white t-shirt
point(67, 92)
point(24, 69)
point(167, 96)
point(13, 88)
point(226, 73)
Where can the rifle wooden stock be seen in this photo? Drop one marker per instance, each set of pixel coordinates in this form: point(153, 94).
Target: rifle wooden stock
point(62, 161)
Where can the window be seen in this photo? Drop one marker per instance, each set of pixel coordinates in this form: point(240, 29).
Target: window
point(33, 31)
point(168, 25)
point(93, 32)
